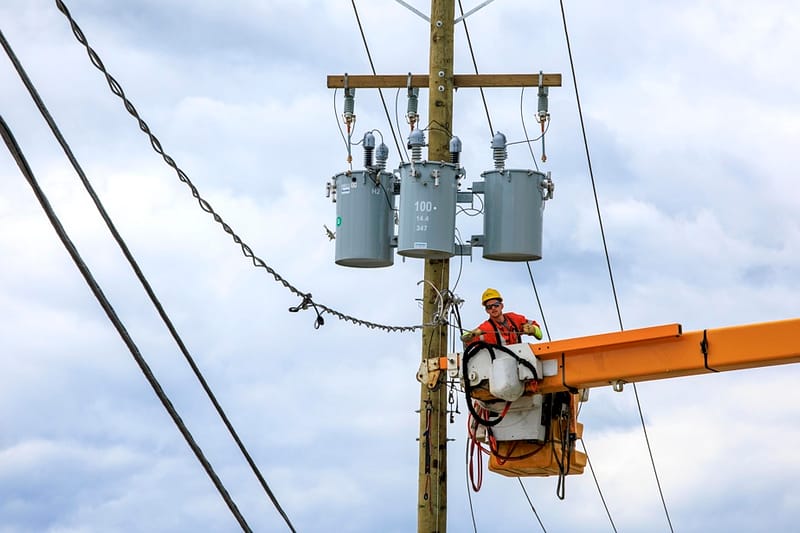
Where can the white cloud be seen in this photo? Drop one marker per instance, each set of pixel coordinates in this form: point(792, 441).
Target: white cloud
point(691, 115)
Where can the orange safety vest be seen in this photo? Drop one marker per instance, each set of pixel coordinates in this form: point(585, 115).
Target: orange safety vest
point(497, 333)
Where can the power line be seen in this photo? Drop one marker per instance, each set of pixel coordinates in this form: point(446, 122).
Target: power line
point(605, 249)
point(137, 270)
point(18, 156)
point(538, 301)
point(475, 64)
point(591, 172)
point(597, 484)
point(528, 140)
point(531, 504)
point(469, 492)
point(380, 92)
point(307, 300)
point(652, 460)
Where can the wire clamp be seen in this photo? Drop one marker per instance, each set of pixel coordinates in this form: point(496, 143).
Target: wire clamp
point(704, 349)
point(302, 306)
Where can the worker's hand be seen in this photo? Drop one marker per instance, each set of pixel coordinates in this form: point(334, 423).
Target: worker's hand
point(532, 329)
point(467, 336)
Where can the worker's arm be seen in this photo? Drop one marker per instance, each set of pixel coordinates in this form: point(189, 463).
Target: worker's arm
point(532, 328)
point(470, 335)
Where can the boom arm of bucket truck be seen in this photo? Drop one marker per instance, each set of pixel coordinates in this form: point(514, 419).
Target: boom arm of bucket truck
point(523, 397)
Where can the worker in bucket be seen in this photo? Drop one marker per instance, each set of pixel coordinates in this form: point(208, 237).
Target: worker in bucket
point(501, 328)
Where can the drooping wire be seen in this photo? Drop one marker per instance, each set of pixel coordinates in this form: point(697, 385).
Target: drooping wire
point(397, 121)
point(18, 156)
point(460, 260)
point(336, 117)
point(597, 484)
point(374, 72)
point(531, 504)
point(467, 464)
point(605, 249)
point(138, 272)
point(528, 140)
point(117, 90)
point(475, 65)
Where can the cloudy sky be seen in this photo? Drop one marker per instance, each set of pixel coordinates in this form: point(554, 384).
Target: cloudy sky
point(692, 113)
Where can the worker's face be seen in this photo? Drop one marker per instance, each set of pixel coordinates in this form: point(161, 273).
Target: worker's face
point(494, 308)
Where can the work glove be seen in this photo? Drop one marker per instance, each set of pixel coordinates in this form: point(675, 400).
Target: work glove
point(532, 329)
point(467, 336)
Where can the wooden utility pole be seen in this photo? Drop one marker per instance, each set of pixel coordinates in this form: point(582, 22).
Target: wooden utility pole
point(432, 497)
point(441, 82)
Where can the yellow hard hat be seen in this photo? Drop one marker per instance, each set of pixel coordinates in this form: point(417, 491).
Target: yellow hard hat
point(490, 294)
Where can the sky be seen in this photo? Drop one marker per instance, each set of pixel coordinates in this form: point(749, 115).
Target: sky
point(692, 113)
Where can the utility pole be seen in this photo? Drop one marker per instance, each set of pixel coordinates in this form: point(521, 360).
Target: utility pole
point(440, 81)
point(432, 496)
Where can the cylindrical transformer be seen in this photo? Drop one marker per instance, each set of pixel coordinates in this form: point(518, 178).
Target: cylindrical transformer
point(428, 192)
point(364, 221)
point(513, 212)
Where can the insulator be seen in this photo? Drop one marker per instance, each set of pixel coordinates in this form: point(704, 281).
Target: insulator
point(381, 156)
point(499, 150)
point(369, 148)
point(543, 91)
point(416, 140)
point(455, 150)
point(349, 104)
point(413, 100)
point(413, 103)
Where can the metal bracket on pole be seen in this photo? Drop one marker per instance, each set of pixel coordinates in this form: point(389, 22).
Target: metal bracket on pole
point(431, 369)
point(471, 11)
point(414, 10)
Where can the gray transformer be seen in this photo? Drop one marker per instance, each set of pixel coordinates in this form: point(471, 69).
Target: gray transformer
point(513, 212)
point(428, 192)
point(364, 218)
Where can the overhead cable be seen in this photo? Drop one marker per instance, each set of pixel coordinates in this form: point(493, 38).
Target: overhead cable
point(597, 484)
point(137, 270)
point(538, 300)
point(374, 73)
point(18, 156)
point(531, 504)
point(608, 258)
point(117, 90)
point(475, 64)
point(591, 171)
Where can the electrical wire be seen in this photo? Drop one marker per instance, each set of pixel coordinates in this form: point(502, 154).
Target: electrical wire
point(339, 124)
point(397, 121)
point(605, 249)
point(460, 261)
point(591, 172)
point(475, 64)
point(528, 140)
point(652, 460)
point(538, 300)
point(307, 300)
point(467, 464)
point(597, 484)
point(374, 73)
point(531, 504)
point(18, 156)
point(137, 271)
